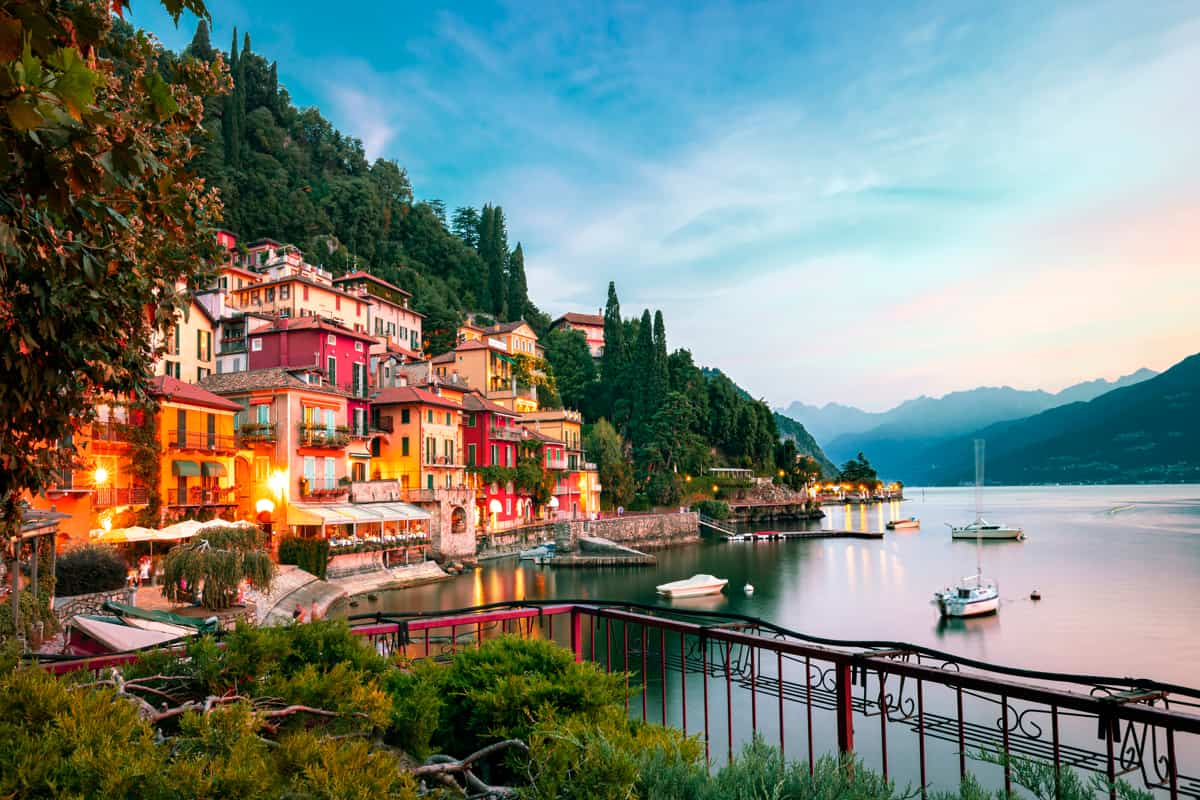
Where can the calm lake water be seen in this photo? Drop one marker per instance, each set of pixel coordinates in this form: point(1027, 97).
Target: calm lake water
point(1118, 568)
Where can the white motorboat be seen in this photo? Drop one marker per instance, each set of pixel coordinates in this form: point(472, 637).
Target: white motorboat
point(695, 586)
point(904, 524)
point(972, 597)
point(534, 553)
point(982, 529)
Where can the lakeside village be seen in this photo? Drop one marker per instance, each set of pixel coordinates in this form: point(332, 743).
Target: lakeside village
point(306, 405)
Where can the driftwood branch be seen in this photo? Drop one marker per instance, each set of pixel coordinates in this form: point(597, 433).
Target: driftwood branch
point(441, 768)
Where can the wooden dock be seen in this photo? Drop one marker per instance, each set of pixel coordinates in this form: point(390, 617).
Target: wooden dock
point(772, 536)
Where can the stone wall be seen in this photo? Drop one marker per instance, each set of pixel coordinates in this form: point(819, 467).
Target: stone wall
point(67, 607)
point(641, 531)
point(346, 564)
point(452, 527)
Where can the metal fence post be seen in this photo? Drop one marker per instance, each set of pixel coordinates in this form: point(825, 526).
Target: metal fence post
point(577, 635)
point(845, 709)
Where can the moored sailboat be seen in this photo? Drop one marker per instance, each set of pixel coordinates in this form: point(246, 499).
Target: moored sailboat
point(974, 595)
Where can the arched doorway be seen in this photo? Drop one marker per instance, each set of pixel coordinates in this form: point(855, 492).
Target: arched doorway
point(458, 520)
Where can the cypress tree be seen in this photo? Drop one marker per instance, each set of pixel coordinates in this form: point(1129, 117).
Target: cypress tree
point(201, 47)
point(496, 256)
point(612, 361)
point(660, 375)
point(518, 290)
point(642, 383)
point(230, 129)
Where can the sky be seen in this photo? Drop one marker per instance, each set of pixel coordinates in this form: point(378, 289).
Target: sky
point(830, 201)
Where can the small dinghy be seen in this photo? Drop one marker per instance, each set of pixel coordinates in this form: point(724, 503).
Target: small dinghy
point(748, 588)
point(541, 551)
point(695, 586)
point(904, 524)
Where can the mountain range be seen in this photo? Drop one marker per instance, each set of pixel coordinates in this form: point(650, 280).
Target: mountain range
point(1148, 432)
point(896, 440)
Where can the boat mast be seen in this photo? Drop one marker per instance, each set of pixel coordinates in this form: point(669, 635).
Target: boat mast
point(979, 444)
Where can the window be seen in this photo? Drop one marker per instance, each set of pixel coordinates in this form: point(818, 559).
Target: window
point(331, 339)
point(448, 450)
point(360, 421)
point(358, 347)
point(448, 480)
point(470, 455)
point(271, 295)
point(429, 416)
point(358, 471)
point(495, 462)
point(404, 446)
point(262, 413)
point(447, 417)
point(404, 416)
point(329, 423)
point(262, 466)
point(469, 420)
point(175, 333)
point(330, 480)
point(429, 481)
point(305, 292)
point(508, 505)
point(255, 344)
point(310, 470)
point(202, 373)
point(331, 372)
point(181, 427)
point(285, 291)
point(359, 371)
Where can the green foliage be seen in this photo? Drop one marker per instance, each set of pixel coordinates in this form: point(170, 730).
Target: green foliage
point(606, 450)
point(218, 561)
point(858, 471)
point(87, 569)
point(145, 457)
point(574, 369)
point(716, 509)
point(310, 555)
point(31, 610)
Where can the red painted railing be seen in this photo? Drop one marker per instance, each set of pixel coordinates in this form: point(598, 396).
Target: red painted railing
point(889, 703)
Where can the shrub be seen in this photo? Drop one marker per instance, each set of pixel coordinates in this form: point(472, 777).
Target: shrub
point(716, 509)
point(33, 609)
point(310, 555)
point(92, 568)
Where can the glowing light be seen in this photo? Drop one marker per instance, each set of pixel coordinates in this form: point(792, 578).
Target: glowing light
point(106, 523)
point(494, 506)
point(553, 502)
point(101, 476)
point(265, 506)
point(716, 488)
point(278, 482)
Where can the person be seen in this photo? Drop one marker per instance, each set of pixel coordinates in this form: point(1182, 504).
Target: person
point(144, 567)
point(312, 614)
point(131, 578)
point(298, 613)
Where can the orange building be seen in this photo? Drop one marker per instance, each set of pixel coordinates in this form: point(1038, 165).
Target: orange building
point(421, 443)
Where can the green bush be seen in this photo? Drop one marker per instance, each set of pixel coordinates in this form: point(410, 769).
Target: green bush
point(92, 568)
point(310, 555)
point(32, 611)
point(716, 509)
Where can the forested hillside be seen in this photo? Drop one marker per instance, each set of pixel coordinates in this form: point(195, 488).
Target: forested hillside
point(288, 174)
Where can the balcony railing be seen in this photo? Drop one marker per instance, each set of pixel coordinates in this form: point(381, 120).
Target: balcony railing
point(504, 434)
point(441, 461)
point(323, 489)
point(556, 463)
point(106, 497)
point(322, 436)
point(252, 432)
point(110, 431)
point(199, 496)
point(360, 433)
point(588, 466)
point(382, 425)
point(201, 440)
point(232, 346)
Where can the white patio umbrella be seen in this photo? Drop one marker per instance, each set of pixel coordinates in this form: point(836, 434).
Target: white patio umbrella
point(180, 530)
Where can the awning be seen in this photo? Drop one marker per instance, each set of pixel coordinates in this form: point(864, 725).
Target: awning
point(212, 469)
point(392, 512)
point(185, 468)
point(311, 514)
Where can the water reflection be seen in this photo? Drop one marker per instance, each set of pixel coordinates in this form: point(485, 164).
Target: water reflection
point(969, 626)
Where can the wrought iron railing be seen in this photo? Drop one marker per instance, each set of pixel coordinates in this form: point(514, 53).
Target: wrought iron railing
point(919, 714)
point(199, 496)
point(107, 496)
point(252, 432)
point(322, 436)
point(201, 440)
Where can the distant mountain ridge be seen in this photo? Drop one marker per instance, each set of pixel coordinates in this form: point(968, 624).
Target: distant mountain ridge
point(1145, 432)
point(891, 439)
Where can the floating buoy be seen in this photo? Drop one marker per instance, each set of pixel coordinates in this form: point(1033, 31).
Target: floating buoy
point(748, 589)
point(372, 598)
point(1035, 595)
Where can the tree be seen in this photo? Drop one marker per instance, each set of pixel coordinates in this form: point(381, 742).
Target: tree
point(858, 471)
point(659, 377)
point(466, 225)
point(230, 118)
point(613, 360)
point(574, 370)
point(518, 293)
point(215, 563)
point(101, 223)
point(494, 251)
point(605, 448)
point(201, 47)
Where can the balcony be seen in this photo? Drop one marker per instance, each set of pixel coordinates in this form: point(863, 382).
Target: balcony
point(199, 497)
point(110, 431)
point(106, 497)
point(320, 436)
point(322, 489)
point(504, 434)
point(229, 346)
point(588, 466)
point(382, 425)
point(442, 461)
point(201, 440)
point(257, 433)
point(360, 433)
point(556, 463)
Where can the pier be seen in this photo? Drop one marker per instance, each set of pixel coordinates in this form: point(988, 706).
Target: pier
point(768, 536)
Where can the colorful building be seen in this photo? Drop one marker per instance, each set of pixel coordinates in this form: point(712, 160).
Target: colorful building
point(578, 485)
point(420, 442)
point(486, 365)
point(391, 321)
point(292, 288)
point(188, 353)
point(591, 325)
point(492, 438)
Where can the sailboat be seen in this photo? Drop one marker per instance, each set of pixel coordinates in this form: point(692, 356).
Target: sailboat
point(981, 528)
point(974, 595)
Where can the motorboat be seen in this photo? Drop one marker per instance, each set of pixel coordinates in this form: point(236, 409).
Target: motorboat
point(982, 529)
point(695, 586)
point(127, 627)
point(541, 551)
point(972, 597)
point(904, 524)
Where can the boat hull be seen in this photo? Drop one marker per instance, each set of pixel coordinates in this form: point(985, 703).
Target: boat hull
point(904, 524)
point(952, 607)
point(1004, 534)
point(693, 587)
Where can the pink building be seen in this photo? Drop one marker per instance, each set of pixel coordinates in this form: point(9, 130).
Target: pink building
point(390, 319)
point(592, 326)
point(340, 354)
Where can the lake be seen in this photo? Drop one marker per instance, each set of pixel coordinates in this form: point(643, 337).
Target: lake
point(1118, 568)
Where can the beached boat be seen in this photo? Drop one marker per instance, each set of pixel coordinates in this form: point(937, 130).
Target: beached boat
point(695, 586)
point(904, 524)
point(127, 627)
point(541, 551)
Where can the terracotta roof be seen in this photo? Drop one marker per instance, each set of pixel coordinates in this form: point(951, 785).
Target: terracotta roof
point(301, 279)
point(307, 323)
point(580, 319)
point(269, 378)
point(509, 327)
point(363, 274)
point(445, 358)
point(476, 344)
point(474, 401)
point(173, 390)
point(534, 433)
point(410, 394)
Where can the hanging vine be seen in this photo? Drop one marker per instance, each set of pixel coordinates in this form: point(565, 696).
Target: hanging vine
point(145, 457)
point(216, 563)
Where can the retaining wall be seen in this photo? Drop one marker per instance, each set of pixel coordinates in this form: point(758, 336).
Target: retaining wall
point(642, 531)
point(69, 606)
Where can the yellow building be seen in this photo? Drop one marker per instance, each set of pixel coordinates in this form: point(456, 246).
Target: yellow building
point(487, 366)
point(189, 354)
point(578, 484)
point(422, 444)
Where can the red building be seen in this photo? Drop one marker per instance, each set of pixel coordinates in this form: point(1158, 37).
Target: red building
point(492, 438)
point(314, 342)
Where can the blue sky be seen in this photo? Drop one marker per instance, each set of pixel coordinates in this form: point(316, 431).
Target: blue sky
point(858, 202)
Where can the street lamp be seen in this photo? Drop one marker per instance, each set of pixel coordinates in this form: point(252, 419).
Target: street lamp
point(101, 476)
